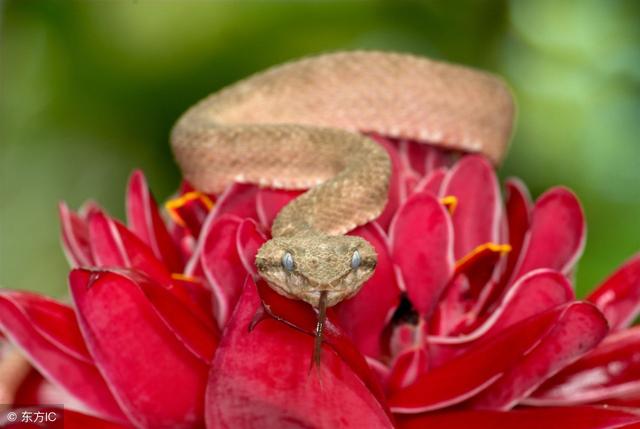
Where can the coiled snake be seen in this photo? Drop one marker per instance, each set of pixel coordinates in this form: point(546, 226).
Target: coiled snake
point(298, 125)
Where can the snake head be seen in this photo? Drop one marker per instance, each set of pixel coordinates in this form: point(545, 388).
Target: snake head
point(302, 266)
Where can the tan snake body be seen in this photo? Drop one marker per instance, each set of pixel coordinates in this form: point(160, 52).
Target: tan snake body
point(297, 126)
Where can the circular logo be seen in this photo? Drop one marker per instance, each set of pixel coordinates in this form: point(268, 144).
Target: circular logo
point(12, 417)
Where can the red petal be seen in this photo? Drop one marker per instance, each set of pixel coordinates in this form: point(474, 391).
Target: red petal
point(519, 209)
point(144, 220)
point(269, 202)
point(408, 182)
point(157, 381)
point(407, 368)
point(421, 246)
point(75, 237)
point(438, 157)
point(619, 296)
point(113, 245)
point(262, 379)
point(479, 266)
point(141, 258)
point(36, 390)
point(518, 218)
point(421, 157)
point(239, 200)
point(365, 316)
point(249, 239)
point(534, 293)
point(78, 377)
point(53, 320)
point(610, 371)
point(221, 263)
point(405, 336)
point(451, 312)
point(476, 219)
point(106, 245)
point(547, 418)
point(393, 200)
point(630, 400)
point(471, 372)
point(579, 329)
point(414, 156)
point(432, 182)
point(301, 316)
point(198, 334)
point(197, 295)
point(76, 420)
point(557, 234)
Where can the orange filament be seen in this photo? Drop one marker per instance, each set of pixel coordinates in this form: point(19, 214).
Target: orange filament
point(174, 204)
point(450, 202)
point(183, 277)
point(491, 247)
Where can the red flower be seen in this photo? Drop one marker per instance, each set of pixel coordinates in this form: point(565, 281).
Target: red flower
point(469, 320)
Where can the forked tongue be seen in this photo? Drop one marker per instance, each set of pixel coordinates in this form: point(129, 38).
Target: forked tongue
point(322, 315)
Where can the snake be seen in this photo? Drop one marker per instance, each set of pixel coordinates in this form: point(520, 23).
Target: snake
point(305, 125)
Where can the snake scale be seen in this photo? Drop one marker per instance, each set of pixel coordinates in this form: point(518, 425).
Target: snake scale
point(300, 126)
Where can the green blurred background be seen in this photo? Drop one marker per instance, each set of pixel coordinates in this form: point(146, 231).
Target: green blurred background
point(90, 90)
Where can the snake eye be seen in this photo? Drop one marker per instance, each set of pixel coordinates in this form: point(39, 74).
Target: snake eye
point(287, 261)
point(356, 259)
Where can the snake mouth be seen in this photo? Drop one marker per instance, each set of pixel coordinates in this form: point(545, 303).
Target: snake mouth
point(313, 297)
point(311, 293)
point(333, 285)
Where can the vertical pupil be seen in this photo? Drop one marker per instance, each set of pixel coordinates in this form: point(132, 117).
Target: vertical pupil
point(287, 261)
point(355, 260)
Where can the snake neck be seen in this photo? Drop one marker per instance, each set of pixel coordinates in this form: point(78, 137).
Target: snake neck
point(355, 195)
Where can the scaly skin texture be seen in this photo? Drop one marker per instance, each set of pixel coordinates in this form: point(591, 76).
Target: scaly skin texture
point(294, 127)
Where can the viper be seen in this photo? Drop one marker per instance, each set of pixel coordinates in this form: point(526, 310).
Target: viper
point(303, 125)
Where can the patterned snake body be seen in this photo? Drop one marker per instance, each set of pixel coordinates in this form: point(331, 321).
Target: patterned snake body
point(295, 127)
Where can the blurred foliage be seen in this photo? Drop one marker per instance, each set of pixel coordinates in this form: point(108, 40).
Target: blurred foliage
point(89, 91)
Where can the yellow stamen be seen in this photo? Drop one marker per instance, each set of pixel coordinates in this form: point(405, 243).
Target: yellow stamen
point(493, 247)
point(450, 202)
point(174, 204)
